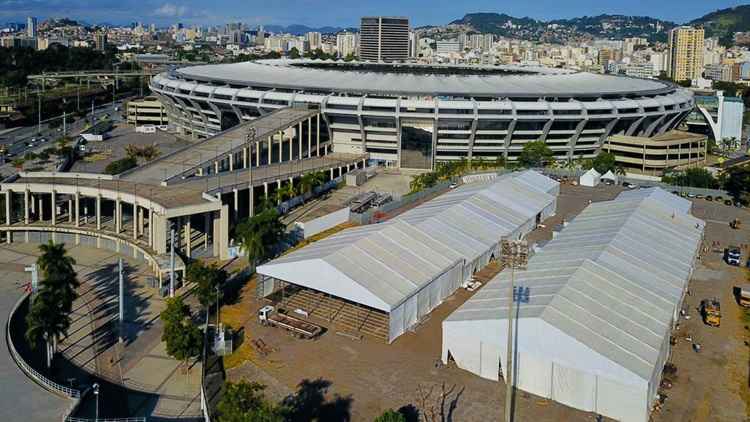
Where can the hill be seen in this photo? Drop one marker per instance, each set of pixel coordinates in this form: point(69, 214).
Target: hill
point(725, 22)
point(602, 26)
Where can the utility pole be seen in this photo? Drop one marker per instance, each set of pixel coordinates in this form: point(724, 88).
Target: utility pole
point(122, 301)
point(65, 127)
point(515, 254)
point(171, 265)
point(39, 116)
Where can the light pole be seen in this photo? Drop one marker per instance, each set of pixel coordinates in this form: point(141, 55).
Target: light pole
point(515, 254)
point(96, 394)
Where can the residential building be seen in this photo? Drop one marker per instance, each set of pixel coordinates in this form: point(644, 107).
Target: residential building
point(384, 39)
point(346, 44)
point(314, 39)
point(685, 53)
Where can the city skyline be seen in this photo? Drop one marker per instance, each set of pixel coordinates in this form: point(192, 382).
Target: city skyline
point(313, 12)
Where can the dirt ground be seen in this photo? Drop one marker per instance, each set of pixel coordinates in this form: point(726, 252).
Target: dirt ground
point(713, 384)
point(363, 378)
point(368, 376)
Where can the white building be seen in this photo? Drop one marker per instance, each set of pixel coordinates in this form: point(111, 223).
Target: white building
point(599, 302)
point(346, 44)
point(315, 40)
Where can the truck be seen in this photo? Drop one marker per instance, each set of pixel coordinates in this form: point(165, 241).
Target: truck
point(711, 312)
point(743, 295)
point(268, 315)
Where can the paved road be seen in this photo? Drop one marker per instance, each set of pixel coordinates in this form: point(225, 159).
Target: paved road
point(21, 398)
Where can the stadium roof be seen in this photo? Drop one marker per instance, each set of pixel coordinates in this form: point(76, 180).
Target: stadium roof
point(384, 264)
point(521, 81)
point(611, 280)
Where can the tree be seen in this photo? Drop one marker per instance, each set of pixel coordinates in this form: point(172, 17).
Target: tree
point(49, 318)
point(207, 278)
point(390, 415)
point(183, 337)
point(695, 177)
point(535, 154)
point(604, 162)
point(121, 165)
point(259, 233)
point(737, 183)
point(244, 402)
point(285, 192)
point(293, 53)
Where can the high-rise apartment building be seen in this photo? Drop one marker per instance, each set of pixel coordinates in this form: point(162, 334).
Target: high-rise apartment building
point(346, 44)
point(413, 44)
point(31, 27)
point(101, 41)
point(384, 39)
point(685, 53)
point(315, 40)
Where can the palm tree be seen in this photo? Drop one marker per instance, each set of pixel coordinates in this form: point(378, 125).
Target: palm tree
point(49, 318)
point(284, 193)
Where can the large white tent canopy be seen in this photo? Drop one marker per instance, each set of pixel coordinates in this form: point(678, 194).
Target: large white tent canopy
point(603, 297)
point(408, 265)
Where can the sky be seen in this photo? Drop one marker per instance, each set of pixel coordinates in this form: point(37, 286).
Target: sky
point(341, 13)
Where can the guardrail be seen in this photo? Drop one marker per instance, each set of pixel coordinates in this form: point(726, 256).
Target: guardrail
point(71, 419)
point(26, 368)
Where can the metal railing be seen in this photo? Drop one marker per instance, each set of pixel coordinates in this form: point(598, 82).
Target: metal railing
point(72, 419)
point(27, 369)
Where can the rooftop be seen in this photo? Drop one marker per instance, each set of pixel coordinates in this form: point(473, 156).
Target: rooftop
point(422, 80)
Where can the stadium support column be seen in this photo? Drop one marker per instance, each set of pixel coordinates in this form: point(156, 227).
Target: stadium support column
point(188, 237)
point(98, 212)
point(270, 148)
point(231, 162)
point(281, 146)
point(78, 208)
point(53, 201)
point(309, 137)
point(291, 148)
point(135, 221)
point(245, 158)
point(41, 207)
point(265, 190)
point(8, 200)
point(257, 154)
point(26, 207)
point(70, 210)
point(299, 138)
point(317, 135)
point(118, 216)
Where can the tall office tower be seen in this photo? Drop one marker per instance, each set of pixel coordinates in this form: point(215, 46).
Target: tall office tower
point(315, 40)
point(384, 39)
point(31, 27)
point(346, 44)
point(685, 53)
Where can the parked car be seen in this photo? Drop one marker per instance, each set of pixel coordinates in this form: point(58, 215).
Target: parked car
point(728, 202)
point(732, 256)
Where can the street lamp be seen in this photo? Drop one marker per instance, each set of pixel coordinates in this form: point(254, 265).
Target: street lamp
point(96, 394)
point(515, 254)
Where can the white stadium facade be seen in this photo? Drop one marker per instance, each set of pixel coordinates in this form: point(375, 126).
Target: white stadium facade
point(416, 115)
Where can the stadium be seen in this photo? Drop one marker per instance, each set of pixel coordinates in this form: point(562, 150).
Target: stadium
point(412, 116)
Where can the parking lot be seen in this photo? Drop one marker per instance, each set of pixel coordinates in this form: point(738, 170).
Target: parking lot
point(100, 154)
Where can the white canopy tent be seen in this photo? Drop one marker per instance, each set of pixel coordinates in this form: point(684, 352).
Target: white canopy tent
point(609, 175)
point(603, 297)
point(591, 178)
point(407, 266)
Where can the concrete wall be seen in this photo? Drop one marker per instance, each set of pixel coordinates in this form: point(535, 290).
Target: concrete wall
point(321, 224)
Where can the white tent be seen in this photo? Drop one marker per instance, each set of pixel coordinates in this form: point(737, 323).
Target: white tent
point(610, 176)
point(591, 178)
point(407, 266)
point(603, 296)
